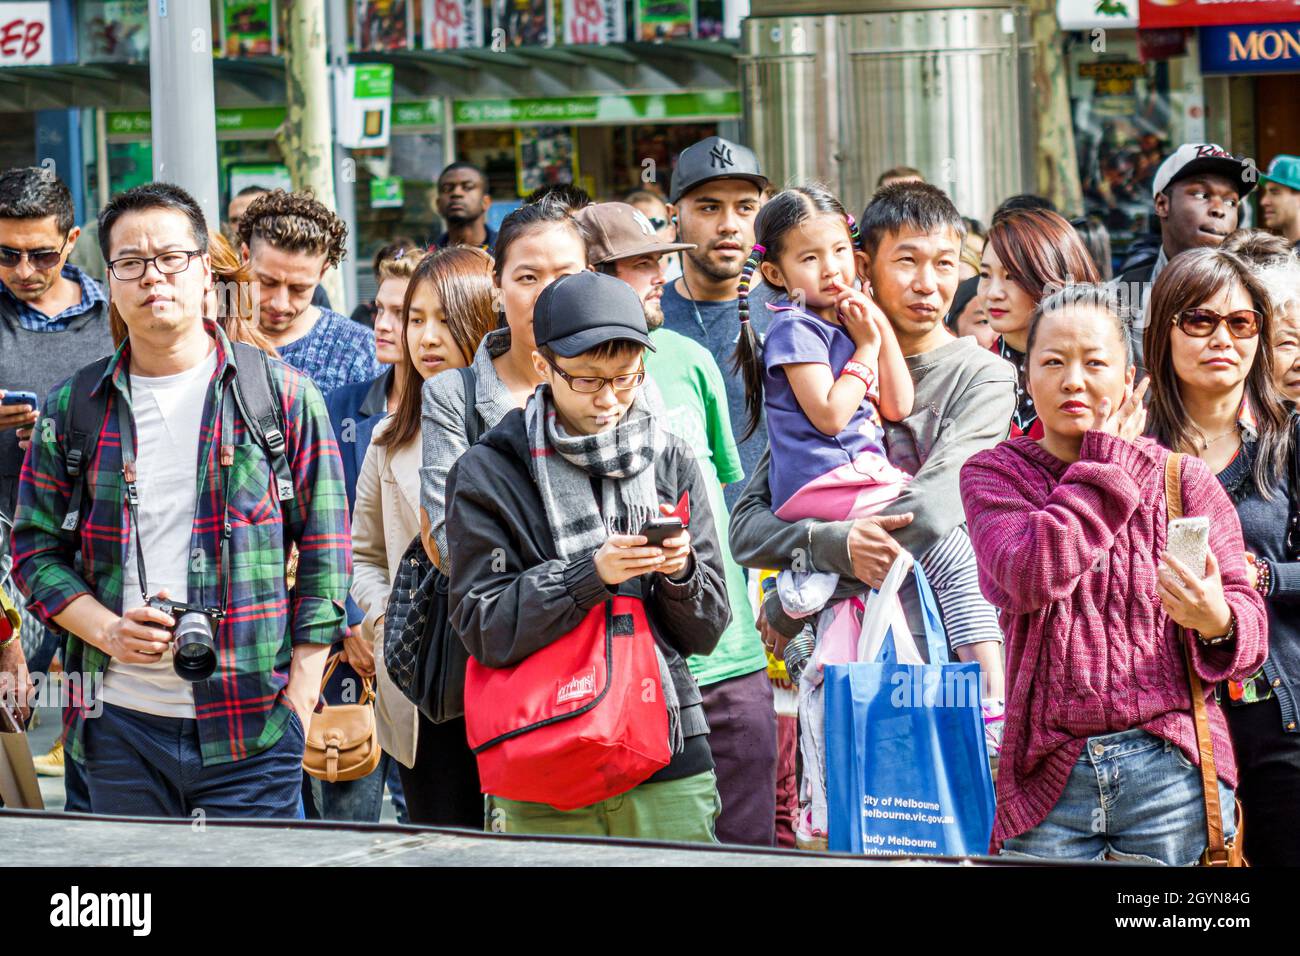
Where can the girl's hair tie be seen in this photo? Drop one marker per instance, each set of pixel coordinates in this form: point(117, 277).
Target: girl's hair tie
point(746, 274)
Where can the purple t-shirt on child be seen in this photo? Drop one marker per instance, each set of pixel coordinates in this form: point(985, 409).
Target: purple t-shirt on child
point(800, 452)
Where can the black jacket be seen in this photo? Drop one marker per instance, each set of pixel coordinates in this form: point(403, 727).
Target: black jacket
point(510, 593)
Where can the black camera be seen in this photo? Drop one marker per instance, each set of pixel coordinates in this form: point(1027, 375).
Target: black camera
point(194, 649)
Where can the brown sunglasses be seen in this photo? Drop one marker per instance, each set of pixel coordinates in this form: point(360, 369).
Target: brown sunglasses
point(1202, 323)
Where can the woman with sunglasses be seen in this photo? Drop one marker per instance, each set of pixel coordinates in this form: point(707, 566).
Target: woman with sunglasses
point(1209, 348)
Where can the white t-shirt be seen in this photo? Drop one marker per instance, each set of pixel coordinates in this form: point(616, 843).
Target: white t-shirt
point(168, 416)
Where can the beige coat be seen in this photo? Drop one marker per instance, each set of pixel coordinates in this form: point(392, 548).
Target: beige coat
point(384, 521)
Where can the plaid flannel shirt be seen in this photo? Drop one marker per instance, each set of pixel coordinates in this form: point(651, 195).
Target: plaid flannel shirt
point(240, 709)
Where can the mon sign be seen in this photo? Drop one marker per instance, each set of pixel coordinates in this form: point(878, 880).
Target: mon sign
point(1253, 48)
point(1204, 13)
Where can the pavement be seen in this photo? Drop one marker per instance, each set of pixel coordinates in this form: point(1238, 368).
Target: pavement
point(46, 839)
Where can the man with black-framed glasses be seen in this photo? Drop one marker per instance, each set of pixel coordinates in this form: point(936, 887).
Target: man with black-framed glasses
point(164, 488)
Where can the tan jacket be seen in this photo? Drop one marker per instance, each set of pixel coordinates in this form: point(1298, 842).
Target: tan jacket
point(384, 521)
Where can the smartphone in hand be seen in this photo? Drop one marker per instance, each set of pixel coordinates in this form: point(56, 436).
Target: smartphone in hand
point(658, 530)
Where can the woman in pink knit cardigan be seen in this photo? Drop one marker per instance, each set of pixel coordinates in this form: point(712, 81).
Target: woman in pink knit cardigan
point(1099, 758)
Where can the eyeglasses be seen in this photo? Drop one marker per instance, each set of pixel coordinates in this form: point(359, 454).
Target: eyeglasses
point(588, 385)
point(43, 260)
point(657, 223)
point(168, 264)
point(1202, 323)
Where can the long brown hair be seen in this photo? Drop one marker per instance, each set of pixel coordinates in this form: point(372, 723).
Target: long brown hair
point(1041, 252)
point(462, 279)
point(236, 310)
point(1189, 280)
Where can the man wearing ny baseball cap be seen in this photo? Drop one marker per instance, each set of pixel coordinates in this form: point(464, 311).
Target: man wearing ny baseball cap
point(1198, 191)
point(715, 195)
point(1279, 204)
point(717, 189)
point(733, 680)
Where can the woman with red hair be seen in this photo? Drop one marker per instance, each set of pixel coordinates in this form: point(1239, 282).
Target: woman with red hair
point(1030, 253)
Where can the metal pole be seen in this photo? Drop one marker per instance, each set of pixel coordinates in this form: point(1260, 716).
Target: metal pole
point(345, 169)
point(184, 113)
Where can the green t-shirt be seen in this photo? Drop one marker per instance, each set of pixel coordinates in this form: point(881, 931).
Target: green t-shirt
point(695, 396)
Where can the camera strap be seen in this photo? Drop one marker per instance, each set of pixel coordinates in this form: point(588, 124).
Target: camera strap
point(126, 429)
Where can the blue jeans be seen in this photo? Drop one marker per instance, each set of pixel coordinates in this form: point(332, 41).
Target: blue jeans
point(138, 764)
point(1131, 796)
point(358, 801)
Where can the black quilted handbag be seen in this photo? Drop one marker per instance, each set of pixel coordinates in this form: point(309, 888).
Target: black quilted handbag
point(424, 656)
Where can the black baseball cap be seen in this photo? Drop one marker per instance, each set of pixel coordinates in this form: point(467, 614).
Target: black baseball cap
point(710, 159)
point(575, 313)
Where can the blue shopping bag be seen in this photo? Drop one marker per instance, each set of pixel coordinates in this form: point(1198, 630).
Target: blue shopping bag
point(907, 768)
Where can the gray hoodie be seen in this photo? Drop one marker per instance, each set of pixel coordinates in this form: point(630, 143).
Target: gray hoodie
point(964, 399)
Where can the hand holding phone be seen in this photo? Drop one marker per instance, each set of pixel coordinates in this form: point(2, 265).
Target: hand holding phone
point(18, 409)
point(672, 537)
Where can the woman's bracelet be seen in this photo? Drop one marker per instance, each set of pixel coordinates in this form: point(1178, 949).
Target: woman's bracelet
point(10, 639)
point(1263, 576)
point(861, 372)
point(1223, 638)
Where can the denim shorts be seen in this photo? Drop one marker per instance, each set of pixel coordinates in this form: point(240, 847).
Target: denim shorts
point(1131, 796)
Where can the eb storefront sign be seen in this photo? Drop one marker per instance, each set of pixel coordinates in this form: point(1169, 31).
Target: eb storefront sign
point(1251, 48)
point(1204, 13)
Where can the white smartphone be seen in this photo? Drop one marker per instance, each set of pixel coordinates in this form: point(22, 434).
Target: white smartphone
point(1189, 541)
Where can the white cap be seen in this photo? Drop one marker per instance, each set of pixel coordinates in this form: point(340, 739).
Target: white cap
point(1192, 158)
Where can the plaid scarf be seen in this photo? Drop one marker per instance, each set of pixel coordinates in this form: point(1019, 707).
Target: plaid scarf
point(563, 466)
point(623, 458)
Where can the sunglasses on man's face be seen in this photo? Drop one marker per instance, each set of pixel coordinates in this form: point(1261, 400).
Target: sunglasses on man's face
point(42, 259)
point(1202, 323)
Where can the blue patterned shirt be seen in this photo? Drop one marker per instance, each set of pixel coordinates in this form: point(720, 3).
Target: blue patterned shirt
point(34, 320)
point(336, 352)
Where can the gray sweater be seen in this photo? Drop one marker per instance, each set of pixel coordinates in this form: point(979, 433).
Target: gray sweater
point(964, 399)
point(36, 362)
point(442, 428)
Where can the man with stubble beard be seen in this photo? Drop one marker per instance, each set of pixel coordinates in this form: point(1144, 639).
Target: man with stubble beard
point(716, 193)
point(463, 202)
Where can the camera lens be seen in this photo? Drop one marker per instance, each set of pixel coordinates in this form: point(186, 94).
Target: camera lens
point(195, 655)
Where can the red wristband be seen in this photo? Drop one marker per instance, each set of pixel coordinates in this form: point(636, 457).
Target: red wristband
point(861, 372)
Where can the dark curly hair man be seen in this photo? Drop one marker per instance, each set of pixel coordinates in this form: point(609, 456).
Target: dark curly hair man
point(289, 240)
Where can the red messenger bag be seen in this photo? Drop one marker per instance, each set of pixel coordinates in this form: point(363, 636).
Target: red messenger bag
point(579, 721)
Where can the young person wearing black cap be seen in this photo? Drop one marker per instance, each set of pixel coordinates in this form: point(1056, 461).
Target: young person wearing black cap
point(543, 526)
point(1198, 191)
point(716, 192)
point(733, 680)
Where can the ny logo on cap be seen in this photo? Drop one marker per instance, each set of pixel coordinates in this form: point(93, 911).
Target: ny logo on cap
point(643, 222)
point(720, 156)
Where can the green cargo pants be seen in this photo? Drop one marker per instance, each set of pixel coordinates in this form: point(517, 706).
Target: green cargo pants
point(684, 810)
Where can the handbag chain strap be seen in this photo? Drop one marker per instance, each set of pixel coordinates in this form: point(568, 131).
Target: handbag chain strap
point(1216, 853)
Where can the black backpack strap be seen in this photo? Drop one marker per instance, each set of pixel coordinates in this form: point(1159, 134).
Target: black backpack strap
point(85, 417)
point(256, 396)
point(473, 420)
